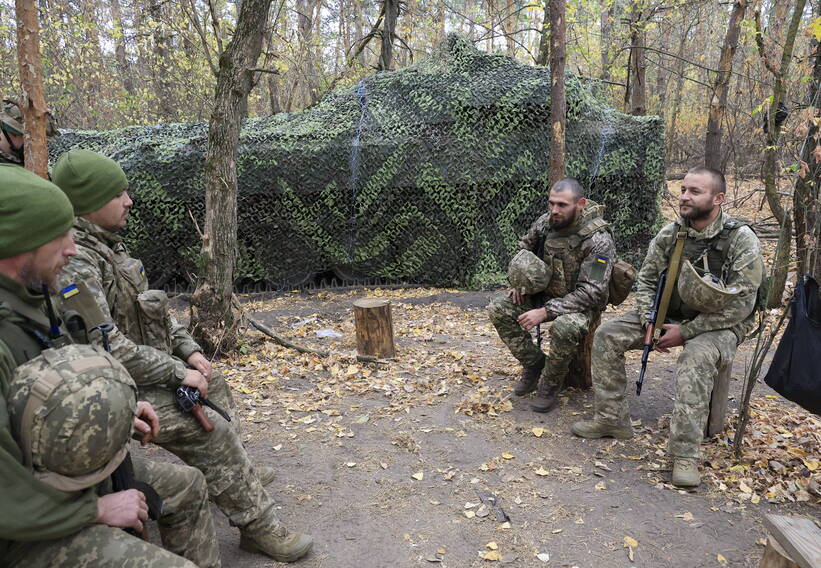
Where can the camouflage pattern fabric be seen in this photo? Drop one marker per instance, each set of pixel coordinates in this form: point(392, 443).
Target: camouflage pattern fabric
point(6, 158)
point(710, 338)
point(118, 282)
point(96, 546)
point(696, 369)
point(426, 174)
point(581, 270)
point(744, 270)
point(528, 273)
point(564, 335)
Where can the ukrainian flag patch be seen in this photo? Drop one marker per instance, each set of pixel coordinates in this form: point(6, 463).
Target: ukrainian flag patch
point(599, 268)
point(69, 291)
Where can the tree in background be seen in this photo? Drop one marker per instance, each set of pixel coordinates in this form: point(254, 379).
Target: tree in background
point(215, 315)
point(33, 104)
point(558, 104)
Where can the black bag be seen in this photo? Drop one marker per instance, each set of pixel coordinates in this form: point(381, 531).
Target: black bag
point(795, 372)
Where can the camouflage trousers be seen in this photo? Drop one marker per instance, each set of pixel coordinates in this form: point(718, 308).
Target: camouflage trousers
point(233, 484)
point(186, 529)
point(696, 369)
point(564, 335)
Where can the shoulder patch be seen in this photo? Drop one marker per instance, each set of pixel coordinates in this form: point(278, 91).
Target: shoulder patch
point(69, 291)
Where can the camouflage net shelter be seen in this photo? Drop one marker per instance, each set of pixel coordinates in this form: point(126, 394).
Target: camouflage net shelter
point(425, 175)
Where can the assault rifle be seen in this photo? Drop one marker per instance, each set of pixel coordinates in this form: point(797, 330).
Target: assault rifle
point(649, 341)
point(190, 400)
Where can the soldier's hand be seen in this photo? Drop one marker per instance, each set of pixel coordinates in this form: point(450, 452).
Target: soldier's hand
point(146, 421)
point(124, 509)
point(532, 318)
point(670, 337)
point(194, 378)
point(198, 361)
point(516, 296)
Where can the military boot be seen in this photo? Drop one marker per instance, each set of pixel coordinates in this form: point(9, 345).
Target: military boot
point(685, 472)
point(265, 473)
point(279, 543)
point(593, 429)
point(530, 379)
point(546, 399)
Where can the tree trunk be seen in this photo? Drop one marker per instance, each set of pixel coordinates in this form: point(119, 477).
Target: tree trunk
point(637, 104)
point(606, 22)
point(388, 35)
point(774, 130)
point(558, 106)
point(718, 102)
point(544, 39)
point(159, 66)
point(806, 196)
point(119, 48)
point(781, 264)
point(214, 314)
point(33, 104)
point(679, 90)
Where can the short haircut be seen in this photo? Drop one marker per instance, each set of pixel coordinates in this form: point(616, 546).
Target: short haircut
point(572, 185)
point(719, 183)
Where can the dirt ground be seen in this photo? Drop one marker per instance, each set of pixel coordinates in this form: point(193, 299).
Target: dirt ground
point(388, 465)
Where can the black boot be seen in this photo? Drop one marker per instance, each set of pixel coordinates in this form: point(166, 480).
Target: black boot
point(530, 379)
point(546, 400)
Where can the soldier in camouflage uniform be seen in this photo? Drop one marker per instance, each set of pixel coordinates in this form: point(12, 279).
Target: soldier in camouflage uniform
point(161, 355)
point(57, 503)
point(708, 321)
point(11, 132)
point(578, 249)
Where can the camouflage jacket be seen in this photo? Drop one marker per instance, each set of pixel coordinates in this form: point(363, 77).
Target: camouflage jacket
point(117, 283)
point(31, 509)
point(744, 268)
point(7, 158)
point(581, 265)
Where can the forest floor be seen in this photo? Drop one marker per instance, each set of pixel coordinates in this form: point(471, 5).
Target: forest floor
point(389, 464)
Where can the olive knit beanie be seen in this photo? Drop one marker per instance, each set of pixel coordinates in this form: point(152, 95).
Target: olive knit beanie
point(33, 211)
point(89, 179)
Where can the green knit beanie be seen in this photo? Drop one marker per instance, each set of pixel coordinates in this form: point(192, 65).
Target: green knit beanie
point(33, 211)
point(89, 179)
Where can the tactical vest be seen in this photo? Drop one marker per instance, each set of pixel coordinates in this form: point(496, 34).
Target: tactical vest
point(141, 314)
point(25, 339)
point(715, 250)
point(564, 253)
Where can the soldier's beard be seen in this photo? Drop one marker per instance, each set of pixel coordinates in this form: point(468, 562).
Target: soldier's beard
point(696, 213)
point(563, 223)
point(35, 280)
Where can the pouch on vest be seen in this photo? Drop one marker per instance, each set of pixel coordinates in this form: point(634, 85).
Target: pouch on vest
point(78, 303)
point(622, 278)
point(795, 372)
point(152, 312)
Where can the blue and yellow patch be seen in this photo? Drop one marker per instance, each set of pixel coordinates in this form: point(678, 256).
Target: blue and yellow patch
point(599, 268)
point(69, 291)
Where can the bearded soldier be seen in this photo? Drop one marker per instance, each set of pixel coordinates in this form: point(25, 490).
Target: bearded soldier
point(159, 353)
point(560, 275)
point(711, 310)
point(66, 414)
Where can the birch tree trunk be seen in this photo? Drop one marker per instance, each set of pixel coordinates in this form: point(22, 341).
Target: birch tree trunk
point(33, 104)
point(214, 314)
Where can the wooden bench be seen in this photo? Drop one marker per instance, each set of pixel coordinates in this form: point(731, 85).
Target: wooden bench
point(793, 542)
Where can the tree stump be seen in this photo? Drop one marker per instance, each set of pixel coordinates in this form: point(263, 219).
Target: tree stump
point(718, 401)
point(374, 328)
point(578, 374)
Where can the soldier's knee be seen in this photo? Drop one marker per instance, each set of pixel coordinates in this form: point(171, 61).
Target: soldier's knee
point(498, 308)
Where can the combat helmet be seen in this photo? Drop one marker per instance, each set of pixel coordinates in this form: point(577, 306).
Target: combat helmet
point(11, 119)
point(529, 274)
point(71, 411)
point(704, 293)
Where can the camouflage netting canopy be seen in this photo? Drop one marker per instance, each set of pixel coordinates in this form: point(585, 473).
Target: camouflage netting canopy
point(424, 175)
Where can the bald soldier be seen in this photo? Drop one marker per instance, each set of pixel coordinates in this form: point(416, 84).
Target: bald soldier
point(560, 275)
point(159, 353)
point(711, 311)
point(59, 504)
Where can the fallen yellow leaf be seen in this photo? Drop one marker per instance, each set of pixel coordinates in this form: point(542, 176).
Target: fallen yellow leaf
point(538, 432)
point(721, 559)
point(492, 545)
point(419, 476)
point(508, 456)
point(542, 471)
point(492, 555)
point(630, 542)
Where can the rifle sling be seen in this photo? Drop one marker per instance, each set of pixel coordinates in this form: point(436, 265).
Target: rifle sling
point(670, 283)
